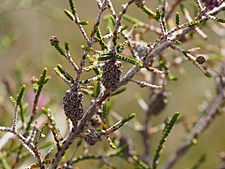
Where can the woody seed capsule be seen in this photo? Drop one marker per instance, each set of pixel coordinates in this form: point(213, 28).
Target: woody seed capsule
point(200, 59)
point(96, 120)
point(139, 3)
point(92, 136)
point(112, 70)
point(54, 41)
point(72, 105)
point(210, 4)
point(157, 102)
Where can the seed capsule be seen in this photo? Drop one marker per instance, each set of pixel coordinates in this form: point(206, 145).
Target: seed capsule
point(210, 4)
point(139, 3)
point(157, 102)
point(72, 105)
point(54, 41)
point(200, 59)
point(92, 136)
point(112, 70)
point(96, 121)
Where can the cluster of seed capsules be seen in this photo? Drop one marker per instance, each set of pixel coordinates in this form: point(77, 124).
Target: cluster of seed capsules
point(73, 98)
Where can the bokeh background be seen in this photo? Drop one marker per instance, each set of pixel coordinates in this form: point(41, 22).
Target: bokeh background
point(25, 29)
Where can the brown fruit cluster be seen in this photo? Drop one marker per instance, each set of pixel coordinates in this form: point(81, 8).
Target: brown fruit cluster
point(112, 70)
point(157, 102)
point(72, 105)
point(200, 59)
point(139, 3)
point(91, 137)
point(54, 41)
point(96, 121)
point(210, 4)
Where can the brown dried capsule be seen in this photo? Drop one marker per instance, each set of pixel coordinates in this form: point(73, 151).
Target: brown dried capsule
point(200, 59)
point(92, 136)
point(96, 121)
point(139, 3)
point(210, 4)
point(72, 105)
point(112, 70)
point(54, 41)
point(157, 102)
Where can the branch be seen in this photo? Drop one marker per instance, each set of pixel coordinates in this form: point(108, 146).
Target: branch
point(202, 123)
point(26, 143)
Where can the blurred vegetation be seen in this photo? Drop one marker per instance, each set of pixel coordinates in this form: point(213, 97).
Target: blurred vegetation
point(25, 28)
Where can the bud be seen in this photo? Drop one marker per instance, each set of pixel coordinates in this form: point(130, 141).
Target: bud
point(72, 105)
point(200, 59)
point(112, 70)
point(54, 41)
point(92, 136)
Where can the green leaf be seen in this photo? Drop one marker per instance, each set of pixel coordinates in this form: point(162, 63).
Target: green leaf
point(130, 60)
point(96, 89)
point(139, 164)
point(220, 20)
point(177, 18)
point(60, 49)
point(200, 161)
point(118, 124)
point(45, 145)
point(13, 100)
point(100, 39)
point(62, 73)
point(96, 78)
point(79, 143)
point(69, 14)
point(111, 144)
point(3, 161)
point(172, 77)
point(106, 109)
point(166, 131)
point(35, 87)
point(66, 45)
point(133, 20)
point(56, 133)
point(158, 14)
point(20, 95)
point(118, 91)
point(177, 42)
point(207, 74)
point(110, 21)
point(72, 6)
point(146, 10)
point(83, 23)
point(192, 23)
point(182, 8)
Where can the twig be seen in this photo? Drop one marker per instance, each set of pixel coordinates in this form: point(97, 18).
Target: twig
point(89, 42)
point(118, 24)
point(172, 8)
point(145, 84)
point(128, 76)
point(26, 143)
point(200, 126)
point(111, 8)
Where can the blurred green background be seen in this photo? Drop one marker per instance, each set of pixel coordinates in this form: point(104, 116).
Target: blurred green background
point(25, 29)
